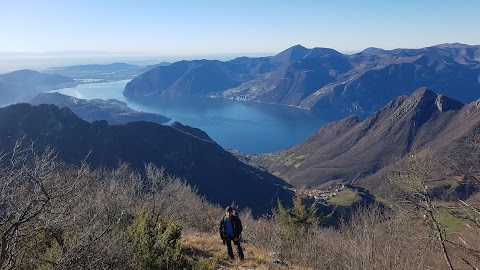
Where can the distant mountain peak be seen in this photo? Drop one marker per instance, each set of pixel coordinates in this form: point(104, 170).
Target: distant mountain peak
point(372, 51)
point(293, 53)
point(297, 47)
point(425, 97)
point(23, 72)
point(424, 93)
point(25, 75)
point(322, 79)
point(453, 45)
point(424, 104)
point(317, 51)
point(351, 150)
point(298, 52)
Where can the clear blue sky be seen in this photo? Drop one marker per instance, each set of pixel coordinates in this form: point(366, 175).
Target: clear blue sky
point(188, 27)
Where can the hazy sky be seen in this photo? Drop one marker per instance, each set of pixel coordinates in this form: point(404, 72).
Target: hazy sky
point(196, 27)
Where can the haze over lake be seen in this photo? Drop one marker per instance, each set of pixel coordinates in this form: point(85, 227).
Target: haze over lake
point(248, 127)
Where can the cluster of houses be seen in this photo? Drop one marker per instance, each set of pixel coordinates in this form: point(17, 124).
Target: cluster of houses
point(323, 195)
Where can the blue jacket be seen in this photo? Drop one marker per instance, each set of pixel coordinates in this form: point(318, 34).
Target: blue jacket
point(236, 225)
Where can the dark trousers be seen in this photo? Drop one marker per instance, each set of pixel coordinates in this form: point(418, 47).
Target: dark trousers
point(228, 241)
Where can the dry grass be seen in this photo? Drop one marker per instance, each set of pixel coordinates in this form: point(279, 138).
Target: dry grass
point(209, 252)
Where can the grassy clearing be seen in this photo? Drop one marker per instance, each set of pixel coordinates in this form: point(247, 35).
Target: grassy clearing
point(273, 156)
point(451, 222)
point(277, 174)
point(292, 160)
point(452, 181)
point(345, 197)
point(289, 163)
point(289, 160)
point(455, 221)
point(210, 253)
point(301, 157)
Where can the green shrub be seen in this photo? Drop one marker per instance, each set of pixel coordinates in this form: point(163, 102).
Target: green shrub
point(155, 242)
point(298, 220)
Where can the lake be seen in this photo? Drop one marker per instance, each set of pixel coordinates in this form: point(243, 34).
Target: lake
point(248, 127)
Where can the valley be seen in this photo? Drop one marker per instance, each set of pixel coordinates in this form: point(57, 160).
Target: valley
point(245, 126)
point(254, 132)
point(240, 135)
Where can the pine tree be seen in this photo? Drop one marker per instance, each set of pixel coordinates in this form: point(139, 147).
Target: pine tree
point(299, 219)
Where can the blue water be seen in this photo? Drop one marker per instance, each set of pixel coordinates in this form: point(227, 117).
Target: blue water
point(248, 127)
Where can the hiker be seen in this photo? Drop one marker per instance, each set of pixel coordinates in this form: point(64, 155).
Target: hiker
point(230, 230)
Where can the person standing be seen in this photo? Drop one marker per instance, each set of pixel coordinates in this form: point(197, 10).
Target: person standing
point(230, 230)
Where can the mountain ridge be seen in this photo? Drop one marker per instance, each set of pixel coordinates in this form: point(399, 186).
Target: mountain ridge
point(22, 84)
point(322, 79)
point(111, 110)
point(202, 163)
point(349, 150)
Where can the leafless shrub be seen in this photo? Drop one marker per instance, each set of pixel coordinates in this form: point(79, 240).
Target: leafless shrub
point(464, 158)
point(171, 197)
point(38, 194)
point(412, 179)
point(368, 241)
point(59, 216)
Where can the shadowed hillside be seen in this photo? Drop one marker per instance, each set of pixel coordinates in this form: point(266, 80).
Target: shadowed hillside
point(80, 217)
point(216, 173)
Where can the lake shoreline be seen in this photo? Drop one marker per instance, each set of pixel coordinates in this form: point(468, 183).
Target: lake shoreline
point(249, 127)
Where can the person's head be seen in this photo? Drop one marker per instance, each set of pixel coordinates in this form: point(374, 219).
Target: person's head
point(229, 211)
